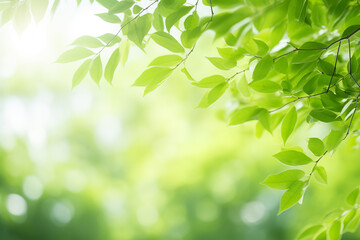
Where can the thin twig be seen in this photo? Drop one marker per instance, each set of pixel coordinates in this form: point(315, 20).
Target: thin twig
point(314, 167)
point(352, 117)
point(323, 48)
point(122, 27)
point(334, 69)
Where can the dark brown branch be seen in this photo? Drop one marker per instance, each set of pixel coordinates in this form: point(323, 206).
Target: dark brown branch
point(350, 72)
point(352, 116)
point(334, 70)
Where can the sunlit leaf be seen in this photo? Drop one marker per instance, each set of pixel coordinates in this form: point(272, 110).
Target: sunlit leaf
point(334, 231)
point(288, 124)
point(81, 72)
point(112, 65)
point(320, 174)
point(353, 197)
point(166, 60)
point(262, 68)
point(316, 146)
point(88, 42)
point(167, 41)
point(292, 195)
point(159, 73)
point(284, 179)
point(74, 54)
point(210, 82)
point(293, 158)
point(96, 70)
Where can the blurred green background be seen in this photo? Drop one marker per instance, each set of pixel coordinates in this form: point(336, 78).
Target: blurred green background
point(105, 163)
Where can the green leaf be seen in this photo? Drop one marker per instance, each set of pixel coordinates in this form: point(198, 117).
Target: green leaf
point(22, 17)
point(210, 82)
point(284, 179)
point(112, 65)
point(353, 197)
point(262, 47)
point(265, 86)
point(309, 52)
point(325, 67)
point(324, 115)
point(121, 6)
point(74, 54)
point(158, 21)
point(281, 65)
point(187, 74)
point(167, 41)
point(81, 72)
point(310, 232)
point(334, 231)
point(88, 41)
point(192, 21)
point(293, 158)
point(292, 196)
point(353, 223)
point(264, 119)
point(176, 16)
point(217, 92)
point(320, 174)
point(334, 138)
point(349, 216)
point(189, 37)
point(108, 3)
point(107, 37)
point(166, 61)
point(262, 68)
point(243, 115)
point(124, 51)
point(96, 70)
point(158, 79)
point(288, 125)
point(139, 28)
point(148, 76)
point(350, 30)
point(38, 9)
point(220, 63)
point(321, 236)
point(316, 146)
point(230, 53)
point(108, 17)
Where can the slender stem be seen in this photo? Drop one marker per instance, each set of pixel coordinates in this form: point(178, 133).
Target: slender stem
point(334, 70)
point(122, 27)
point(323, 48)
point(314, 167)
point(233, 76)
point(192, 49)
point(352, 117)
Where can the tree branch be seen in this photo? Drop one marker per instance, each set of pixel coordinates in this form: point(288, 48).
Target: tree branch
point(123, 26)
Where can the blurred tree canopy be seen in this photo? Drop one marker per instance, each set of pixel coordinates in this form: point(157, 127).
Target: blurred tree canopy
point(285, 65)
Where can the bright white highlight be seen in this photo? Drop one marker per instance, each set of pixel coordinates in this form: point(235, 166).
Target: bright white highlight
point(253, 212)
point(16, 205)
point(32, 187)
